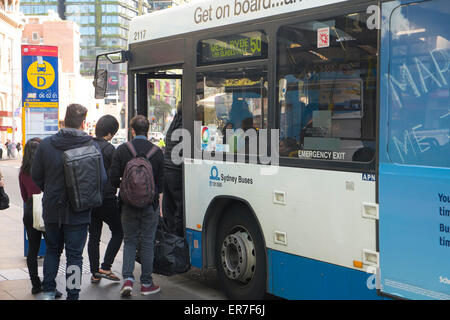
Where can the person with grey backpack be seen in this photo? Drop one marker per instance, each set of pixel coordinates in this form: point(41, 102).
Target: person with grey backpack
point(68, 167)
point(138, 170)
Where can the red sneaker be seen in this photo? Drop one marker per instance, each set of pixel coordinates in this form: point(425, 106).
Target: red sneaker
point(127, 288)
point(145, 291)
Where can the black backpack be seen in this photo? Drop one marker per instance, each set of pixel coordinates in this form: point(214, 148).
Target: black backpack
point(4, 199)
point(171, 252)
point(82, 173)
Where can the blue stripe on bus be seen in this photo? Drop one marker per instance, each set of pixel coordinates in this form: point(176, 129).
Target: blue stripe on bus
point(194, 239)
point(294, 277)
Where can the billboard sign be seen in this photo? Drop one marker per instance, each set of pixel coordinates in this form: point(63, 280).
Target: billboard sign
point(40, 92)
point(40, 76)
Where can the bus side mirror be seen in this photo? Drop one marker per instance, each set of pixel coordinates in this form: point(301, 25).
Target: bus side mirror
point(100, 83)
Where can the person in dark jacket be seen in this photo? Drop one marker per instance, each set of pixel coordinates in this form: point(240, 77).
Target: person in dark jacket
point(139, 223)
point(173, 181)
point(105, 130)
point(64, 228)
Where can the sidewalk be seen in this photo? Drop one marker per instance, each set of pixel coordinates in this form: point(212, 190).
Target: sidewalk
point(15, 283)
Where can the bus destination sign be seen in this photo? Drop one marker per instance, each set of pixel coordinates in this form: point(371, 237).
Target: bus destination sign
point(235, 47)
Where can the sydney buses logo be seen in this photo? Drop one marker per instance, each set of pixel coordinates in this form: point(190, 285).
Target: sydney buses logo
point(214, 179)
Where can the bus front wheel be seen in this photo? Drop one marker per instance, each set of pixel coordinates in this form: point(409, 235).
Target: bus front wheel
point(240, 255)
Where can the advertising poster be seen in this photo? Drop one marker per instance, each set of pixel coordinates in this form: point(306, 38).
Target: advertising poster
point(40, 94)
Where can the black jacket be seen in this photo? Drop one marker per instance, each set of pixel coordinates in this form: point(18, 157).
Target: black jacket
point(123, 155)
point(177, 123)
point(48, 174)
point(107, 153)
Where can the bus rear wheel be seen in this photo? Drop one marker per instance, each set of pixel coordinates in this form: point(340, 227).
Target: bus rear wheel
point(240, 256)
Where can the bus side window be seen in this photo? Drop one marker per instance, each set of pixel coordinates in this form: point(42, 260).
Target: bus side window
point(327, 91)
point(231, 106)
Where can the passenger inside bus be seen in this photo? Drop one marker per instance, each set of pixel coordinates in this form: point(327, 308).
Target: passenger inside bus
point(288, 147)
point(240, 113)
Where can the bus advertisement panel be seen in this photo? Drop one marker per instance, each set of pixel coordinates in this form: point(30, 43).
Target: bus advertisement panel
point(415, 151)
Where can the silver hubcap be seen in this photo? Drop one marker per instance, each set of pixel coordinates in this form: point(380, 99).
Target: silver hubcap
point(238, 256)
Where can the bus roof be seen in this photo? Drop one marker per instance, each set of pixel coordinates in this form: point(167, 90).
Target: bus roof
point(201, 15)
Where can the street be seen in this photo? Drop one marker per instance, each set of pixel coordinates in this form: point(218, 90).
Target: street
point(15, 283)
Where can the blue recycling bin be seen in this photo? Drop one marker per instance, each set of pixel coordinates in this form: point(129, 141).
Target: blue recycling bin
point(41, 249)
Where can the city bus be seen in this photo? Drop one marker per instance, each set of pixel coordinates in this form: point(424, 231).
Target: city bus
point(334, 182)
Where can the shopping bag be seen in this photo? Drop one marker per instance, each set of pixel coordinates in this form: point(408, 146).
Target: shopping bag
point(171, 252)
point(4, 199)
point(38, 221)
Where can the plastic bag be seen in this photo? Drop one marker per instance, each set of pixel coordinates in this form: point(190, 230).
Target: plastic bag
point(38, 221)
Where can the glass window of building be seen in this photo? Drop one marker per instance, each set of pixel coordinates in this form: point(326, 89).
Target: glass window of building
point(110, 19)
point(87, 30)
point(80, 8)
point(87, 41)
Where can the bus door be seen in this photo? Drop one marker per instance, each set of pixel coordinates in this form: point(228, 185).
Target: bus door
point(161, 96)
point(414, 172)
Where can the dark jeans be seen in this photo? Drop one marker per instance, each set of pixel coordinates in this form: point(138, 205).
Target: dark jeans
point(108, 213)
point(139, 224)
point(34, 243)
point(173, 201)
point(73, 239)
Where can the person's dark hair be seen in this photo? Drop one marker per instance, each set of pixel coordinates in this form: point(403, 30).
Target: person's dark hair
point(106, 124)
point(28, 155)
point(140, 124)
point(75, 115)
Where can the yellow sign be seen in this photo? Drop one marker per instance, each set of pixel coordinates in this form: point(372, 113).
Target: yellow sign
point(9, 130)
point(41, 75)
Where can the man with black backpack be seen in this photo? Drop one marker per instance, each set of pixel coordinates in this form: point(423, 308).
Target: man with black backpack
point(138, 169)
point(68, 168)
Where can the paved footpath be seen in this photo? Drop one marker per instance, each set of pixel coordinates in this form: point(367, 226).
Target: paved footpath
point(15, 283)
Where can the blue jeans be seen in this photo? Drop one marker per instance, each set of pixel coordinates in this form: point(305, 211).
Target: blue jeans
point(73, 239)
point(139, 224)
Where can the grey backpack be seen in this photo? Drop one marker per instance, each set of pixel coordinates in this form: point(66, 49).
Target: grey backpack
point(82, 172)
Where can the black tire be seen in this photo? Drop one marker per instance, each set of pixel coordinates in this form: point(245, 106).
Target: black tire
point(235, 219)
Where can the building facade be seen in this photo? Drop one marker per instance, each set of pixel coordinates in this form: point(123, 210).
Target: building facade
point(104, 27)
point(10, 71)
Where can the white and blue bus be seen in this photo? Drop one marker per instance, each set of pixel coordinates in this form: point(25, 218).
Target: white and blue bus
point(357, 205)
